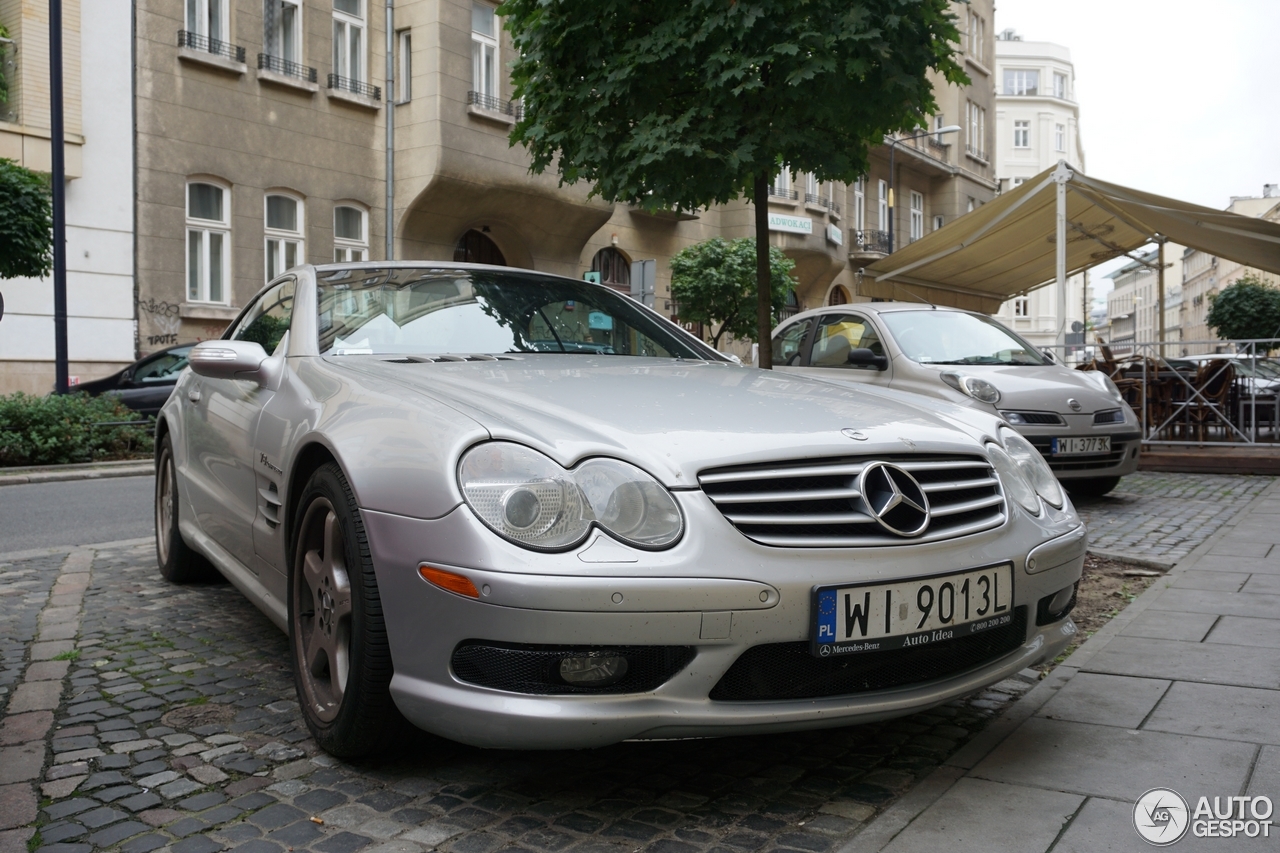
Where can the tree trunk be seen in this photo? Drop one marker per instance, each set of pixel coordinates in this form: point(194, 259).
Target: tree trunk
point(764, 292)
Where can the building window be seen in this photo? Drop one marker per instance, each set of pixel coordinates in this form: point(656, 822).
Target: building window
point(938, 124)
point(614, 269)
point(350, 234)
point(1022, 306)
point(1017, 182)
point(484, 50)
point(1021, 82)
point(208, 242)
point(208, 18)
point(475, 247)
point(1022, 134)
point(977, 35)
point(282, 25)
point(1059, 85)
point(404, 67)
point(884, 205)
point(1059, 137)
point(811, 191)
point(917, 215)
point(977, 130)
point(972, 204)
point(348, 39)
point(283, 234)
point(860, 204)
point(938, 221)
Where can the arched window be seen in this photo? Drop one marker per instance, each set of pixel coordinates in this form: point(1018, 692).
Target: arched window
point(476, 248)
point(792, 306)
point(614, 269)
point(838, 296)
point(350, 234)
point(208, 242)
point(284, 246)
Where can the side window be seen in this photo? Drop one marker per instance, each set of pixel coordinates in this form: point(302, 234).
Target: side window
point(163, 367)
point(786, 346)
point(269, 318)
point(840, 333)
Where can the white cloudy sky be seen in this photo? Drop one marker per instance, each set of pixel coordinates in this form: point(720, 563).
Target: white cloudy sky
point(1176, 97)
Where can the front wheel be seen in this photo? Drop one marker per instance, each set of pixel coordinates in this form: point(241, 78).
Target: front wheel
point(178, 562)
point(341, 657)
point(1091, 487)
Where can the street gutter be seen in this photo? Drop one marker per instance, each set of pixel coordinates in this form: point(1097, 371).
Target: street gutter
point(78, 471)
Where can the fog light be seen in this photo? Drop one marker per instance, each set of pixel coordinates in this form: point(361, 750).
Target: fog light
point(1056, 607)
point(1062, 599)
point(593, 670)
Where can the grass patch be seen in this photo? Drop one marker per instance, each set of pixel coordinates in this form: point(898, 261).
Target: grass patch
point(34, 842)
point(199, 700)
point(74, 654)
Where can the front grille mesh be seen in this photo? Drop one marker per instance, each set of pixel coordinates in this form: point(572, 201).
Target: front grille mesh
point(789, 671)
point(816, 504)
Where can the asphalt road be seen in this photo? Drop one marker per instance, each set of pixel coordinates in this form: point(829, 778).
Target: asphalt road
point(78, 512)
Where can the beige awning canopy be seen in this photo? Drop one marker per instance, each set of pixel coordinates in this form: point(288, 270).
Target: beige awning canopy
point(1008, 246)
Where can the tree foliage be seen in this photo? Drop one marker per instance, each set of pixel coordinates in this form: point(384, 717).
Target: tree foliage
point(687, 103)
point(715, 283)
point(1248, 308)
point(26, 222)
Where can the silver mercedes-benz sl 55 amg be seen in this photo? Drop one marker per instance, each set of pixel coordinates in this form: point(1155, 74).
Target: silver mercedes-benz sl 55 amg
point(526, 511)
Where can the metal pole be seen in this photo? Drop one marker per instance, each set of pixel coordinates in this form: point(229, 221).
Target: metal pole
point(391, 133)
point(891, 149)
point(1160, 295)
point(1061, 176)
point(58, 178)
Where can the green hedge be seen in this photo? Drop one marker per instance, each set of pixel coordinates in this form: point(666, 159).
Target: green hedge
point(57, 429)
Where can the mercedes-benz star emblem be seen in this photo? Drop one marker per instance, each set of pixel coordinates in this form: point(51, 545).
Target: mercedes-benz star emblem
point(894, 499)
point(1074, 404)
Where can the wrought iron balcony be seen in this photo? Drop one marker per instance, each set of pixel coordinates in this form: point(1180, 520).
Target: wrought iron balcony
point(195, 41)
point(781, 192)
point(831, 205)
point(939, 149)
point(871, 241)
point(515, 109)
point(287, 67)
point(357, 87)
point(975, 151)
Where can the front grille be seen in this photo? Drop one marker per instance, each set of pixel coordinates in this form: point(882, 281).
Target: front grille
point(789, 671)
point(1036, 418)
point(816, 504)
point(522, 668)
point(1079, 463)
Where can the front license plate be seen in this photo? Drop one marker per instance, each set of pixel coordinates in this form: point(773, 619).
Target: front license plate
point(1083, 445)
point(882, 617)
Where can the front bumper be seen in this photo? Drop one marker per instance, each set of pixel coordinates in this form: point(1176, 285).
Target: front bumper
point(1126, 445)
point(663, 599)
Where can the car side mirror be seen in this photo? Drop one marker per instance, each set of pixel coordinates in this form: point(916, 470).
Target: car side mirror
point(864, 356)
point(233, 360)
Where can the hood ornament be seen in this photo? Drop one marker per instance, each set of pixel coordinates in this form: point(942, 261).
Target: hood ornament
point(854, 434)
point(1074, 404)
point(894, 499)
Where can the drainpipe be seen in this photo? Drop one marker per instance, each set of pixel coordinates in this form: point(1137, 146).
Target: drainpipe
point(391, 132)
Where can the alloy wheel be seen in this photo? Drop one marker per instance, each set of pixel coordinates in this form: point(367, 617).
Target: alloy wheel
point(322, 611)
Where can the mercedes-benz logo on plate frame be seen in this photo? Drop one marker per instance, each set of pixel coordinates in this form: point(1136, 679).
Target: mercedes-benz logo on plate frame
point(894, 499)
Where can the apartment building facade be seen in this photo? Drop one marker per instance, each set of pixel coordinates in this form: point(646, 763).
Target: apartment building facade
point(1037, 124)
point(1205, 275)
point(1133, 303)
point(99, 189)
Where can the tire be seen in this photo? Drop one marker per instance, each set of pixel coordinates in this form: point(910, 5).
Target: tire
point(178, 562)
point(1091, 487)
point(337, 636)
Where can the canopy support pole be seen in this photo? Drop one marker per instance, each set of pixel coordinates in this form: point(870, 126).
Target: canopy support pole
point(1060, 177)
point(1160, 293)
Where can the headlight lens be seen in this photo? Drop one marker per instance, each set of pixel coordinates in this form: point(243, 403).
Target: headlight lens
point(1036, 471)
point(1111, 388)
point(979, 389)
point(1015, 483)
point(529, 499)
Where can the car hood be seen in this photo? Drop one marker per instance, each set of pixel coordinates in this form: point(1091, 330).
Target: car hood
point(1041, 388)
point(675, 418)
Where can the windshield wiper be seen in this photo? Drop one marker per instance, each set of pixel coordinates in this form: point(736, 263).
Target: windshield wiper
point(972, 359)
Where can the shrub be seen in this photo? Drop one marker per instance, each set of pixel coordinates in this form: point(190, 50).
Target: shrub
point(57, 429)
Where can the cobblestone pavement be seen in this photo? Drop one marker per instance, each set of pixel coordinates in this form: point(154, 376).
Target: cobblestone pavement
point(1163, 517)
point(174, 726)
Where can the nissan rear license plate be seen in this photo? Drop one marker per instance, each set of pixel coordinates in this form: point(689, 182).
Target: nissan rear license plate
point(908, 613)
point(1079, 446)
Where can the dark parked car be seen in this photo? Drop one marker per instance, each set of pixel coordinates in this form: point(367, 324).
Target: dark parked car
point(144, 385)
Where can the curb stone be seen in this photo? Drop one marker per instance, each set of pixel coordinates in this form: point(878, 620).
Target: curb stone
point(65, 473)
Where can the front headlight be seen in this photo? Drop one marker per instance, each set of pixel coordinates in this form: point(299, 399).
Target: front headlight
point(529, 499)
point(1033, 467)
point(979, 389)
point(1015, 483)
point(1107, 385)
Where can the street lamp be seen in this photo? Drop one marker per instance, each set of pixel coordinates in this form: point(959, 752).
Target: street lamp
point(953, 128)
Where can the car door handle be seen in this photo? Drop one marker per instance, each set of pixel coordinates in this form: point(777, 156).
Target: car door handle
point(193, 393)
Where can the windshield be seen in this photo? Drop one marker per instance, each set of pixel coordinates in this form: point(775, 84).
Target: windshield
point(952, 337)
point(457, 311)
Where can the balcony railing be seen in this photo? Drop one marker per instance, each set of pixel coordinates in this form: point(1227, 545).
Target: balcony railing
point(939, 149)
point(871, 241)
point(782, 192)
point(515, 109)
point(287, 67)
point(831, 205)
point(357, 87)
point(195, 41)
point(975, 151)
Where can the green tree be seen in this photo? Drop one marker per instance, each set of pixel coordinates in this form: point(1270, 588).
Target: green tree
point(1249, 308)
point(26, 222)
point(687, 103)
point(715, 282)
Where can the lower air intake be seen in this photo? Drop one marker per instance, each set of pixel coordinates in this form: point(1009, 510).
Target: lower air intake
point(789, 671)
point(535, 669)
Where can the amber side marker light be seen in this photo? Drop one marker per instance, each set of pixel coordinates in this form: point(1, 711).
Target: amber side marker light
point(449, 581)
